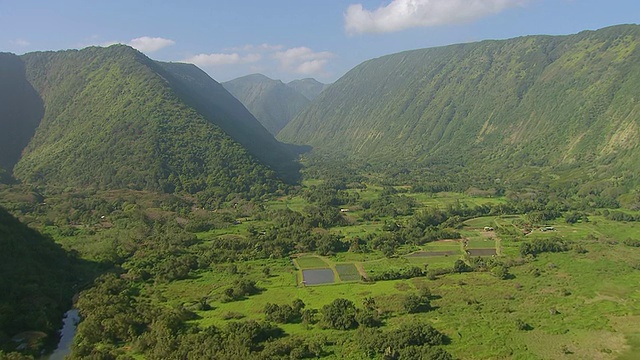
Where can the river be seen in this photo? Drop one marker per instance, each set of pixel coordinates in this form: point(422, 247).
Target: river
point(69, 324)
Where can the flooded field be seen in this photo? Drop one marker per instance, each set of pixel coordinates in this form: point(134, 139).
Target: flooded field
point(318, 276)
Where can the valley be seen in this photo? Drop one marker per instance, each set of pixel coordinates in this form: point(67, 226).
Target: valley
point(580, 300)
point(473, 201)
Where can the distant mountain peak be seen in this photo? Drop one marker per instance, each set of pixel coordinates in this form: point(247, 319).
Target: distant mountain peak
point(256, 77)
point(272, 102)
point(309, 87)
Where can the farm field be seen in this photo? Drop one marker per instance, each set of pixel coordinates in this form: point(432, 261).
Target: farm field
point(347, 272)
point(572, 304)
point(580, 303)
point(577, 304)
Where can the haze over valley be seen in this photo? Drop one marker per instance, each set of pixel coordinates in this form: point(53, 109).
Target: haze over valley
point(409, 179)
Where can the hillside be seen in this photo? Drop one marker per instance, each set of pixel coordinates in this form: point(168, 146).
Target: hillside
point(36, 282)
point(272, 102)
point(564, 101)
point(113, 118)
point(308, 87)
point(20, 110)
point(220, 107)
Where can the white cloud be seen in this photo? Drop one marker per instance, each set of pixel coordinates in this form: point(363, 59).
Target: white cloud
point(150, 44)
point(404, 14)
point(223, 59)
point(311, 67)
point(303, 60)
point(276, 61)
point(20, 42)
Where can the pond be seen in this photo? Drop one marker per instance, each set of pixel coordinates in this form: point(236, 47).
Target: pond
point(70, 322)
point(318, 276)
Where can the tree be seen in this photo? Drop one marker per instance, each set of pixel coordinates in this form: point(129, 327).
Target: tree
point(340, 315)
point(414, 303)
point(298, 305)
point(368, 318)
point(572, 217)
point(369, 303)
point(501, 272)
point(523, 326)
point(266, 271)
point(461, 266)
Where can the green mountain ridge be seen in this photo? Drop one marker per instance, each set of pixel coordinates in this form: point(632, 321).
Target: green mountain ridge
point(219, 106)
point(308, 87)
point(272, 102)
point(114, 118)
point(563, 101)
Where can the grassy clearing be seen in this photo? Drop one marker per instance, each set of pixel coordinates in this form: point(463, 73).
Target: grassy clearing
point(381, 265)
point(361, 230)
point(481, 243)
point(577, 305)
point(434, 262)
point(311, 262)
point(585, 304)
point(295, 203)
point(443, 245)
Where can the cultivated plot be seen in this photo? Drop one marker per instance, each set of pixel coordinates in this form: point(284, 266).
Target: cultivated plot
point(347, 272)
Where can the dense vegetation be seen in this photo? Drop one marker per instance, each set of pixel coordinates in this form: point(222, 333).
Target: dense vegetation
point(562, 104)
point(111, 120)
point(210, 99)
point(272, 102)
point(183, 280)
point(37, 282)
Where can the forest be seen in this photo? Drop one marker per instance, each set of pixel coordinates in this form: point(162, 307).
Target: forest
point(174, 281)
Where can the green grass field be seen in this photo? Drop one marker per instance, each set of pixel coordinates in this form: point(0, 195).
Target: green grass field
point(577, 305)
point(311, 262)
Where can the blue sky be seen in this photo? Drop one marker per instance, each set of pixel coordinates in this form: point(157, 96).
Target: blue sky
point(291, 39)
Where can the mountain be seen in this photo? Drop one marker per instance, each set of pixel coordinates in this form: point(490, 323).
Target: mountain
point(20, 110)
point(114, 118)
point(564, 101)
point(37, 281)
point(308, 87)
point(272, 102)
point(219, 106)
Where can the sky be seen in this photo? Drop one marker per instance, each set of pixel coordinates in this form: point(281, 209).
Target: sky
point(291, 39)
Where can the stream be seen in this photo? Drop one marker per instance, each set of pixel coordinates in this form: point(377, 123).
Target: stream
point(69, 324)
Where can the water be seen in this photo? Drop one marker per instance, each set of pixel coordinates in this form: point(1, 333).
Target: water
point(317, 276)
point(69, 324)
